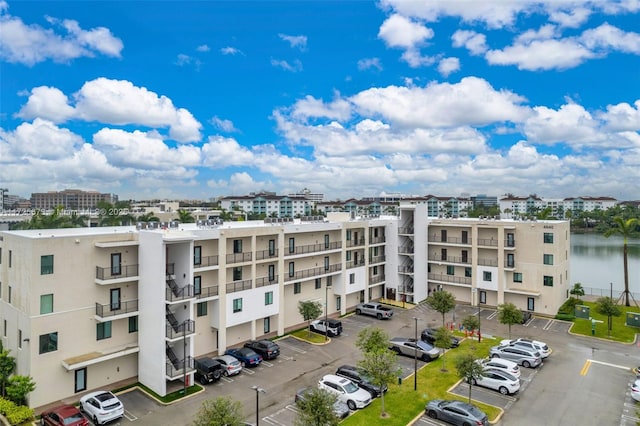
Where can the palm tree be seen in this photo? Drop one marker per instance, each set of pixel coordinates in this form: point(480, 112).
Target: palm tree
point(148, 217)
point(185, 216)
point(624, 228)
point(114, 214)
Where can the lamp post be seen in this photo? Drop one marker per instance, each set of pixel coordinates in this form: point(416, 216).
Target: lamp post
point(479, 319)
point(326, 310)
point(415, 357)
point(258, 390)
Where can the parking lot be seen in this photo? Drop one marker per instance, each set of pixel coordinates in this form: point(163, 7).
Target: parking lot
point(556, 391)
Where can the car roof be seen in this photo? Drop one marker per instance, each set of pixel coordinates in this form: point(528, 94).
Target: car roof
point(228, 359)
point(100, 395)
point(64, 410)
point(335, 379)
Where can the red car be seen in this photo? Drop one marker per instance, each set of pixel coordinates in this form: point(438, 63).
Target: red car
point(64, 415)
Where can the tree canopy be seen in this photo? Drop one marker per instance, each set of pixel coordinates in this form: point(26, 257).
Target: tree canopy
point(509, 314)
point(441, 301)
point(221, 411)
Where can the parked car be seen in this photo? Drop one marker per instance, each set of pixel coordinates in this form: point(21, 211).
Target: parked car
point(266, 348)
point(408, 346)
point(208, 370)
point(340, 408)
point(377, 310)
point(345, 390)
point(523, 357)
point(64, 415)
point(456, 412)
point(101, 407)
point(246, 356)
point(331, 327)
point(534, 345)
point(635, 390)
point(231, 365)
point(500, 364)
point(498, 380)
point(429, 335)
point(361, 379)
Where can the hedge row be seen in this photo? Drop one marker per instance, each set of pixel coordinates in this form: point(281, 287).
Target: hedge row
point(15, 414)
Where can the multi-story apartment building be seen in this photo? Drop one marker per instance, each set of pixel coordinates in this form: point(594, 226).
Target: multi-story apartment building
point(84, 308)
point(269, 204)
point(511, 206)
point(72, 199)
point(483, 261)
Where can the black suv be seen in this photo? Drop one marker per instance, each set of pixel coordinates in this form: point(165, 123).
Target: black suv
point(266, 348)
point(208, 370)
point(429, 335)
point(356, 376)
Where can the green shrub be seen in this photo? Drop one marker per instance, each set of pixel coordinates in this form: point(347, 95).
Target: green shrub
point(15, 414)
point(568, 307)
point(565, 317)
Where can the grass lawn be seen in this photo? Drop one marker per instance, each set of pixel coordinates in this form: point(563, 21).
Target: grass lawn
point(309, 336)
point(402, 404)
point(619, 331)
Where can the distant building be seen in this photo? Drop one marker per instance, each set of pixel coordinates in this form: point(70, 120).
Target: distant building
point(306, 193)
point(484, 200)
point(442, 206)
point(363, 207)
point(269, 204)
point(72, 199)
point(3, 191)
point(513, 206)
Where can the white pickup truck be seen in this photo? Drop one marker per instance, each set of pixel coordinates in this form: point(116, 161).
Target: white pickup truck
point(377, 310)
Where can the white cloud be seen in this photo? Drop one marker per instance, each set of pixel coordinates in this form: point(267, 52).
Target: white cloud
point(368, 63)
point(398, 31)
point(570, 18)
point(609, 37)
point(221, 152)
point(622, 117)
point(309, 107)
point(448, 66)
point(571, 124)
point(31, 44)
point(474, 42)
point(41, 139)
point(296, 66)
point(48, 103)
point(542, 55)
point(231, 51)
point(299, 42)
point(203, 48)
point(222, 124)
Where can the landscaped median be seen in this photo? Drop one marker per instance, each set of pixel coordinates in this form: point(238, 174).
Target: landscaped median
point(402, 404)
point(620, 332)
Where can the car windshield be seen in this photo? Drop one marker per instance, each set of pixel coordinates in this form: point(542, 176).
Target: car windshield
point(508, 376)
point(424, 346)
point(475, 412)
point(72, 419)
point(350, 387)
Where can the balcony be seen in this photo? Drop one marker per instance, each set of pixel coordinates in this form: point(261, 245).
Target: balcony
point(111, 275)
point(239, 257)
point(463, 260)
point(266, 254)
point(449, 240)
point(264, 281)
point(405, 269)
point(405, 250)
point(355, 263)
point(451, 279)
point(355, 243)
point(179, 330)
point(405, 230)
point(487, 242)
point(210, 291)
point(377, 240)
point(234, 286)
point(175, 293)
point(315, 248)
point(376, 279)
point(487, 262)
point(314, 272)
point(176, 371)
point(205, 262)
point(377, 259)
point(121, 310)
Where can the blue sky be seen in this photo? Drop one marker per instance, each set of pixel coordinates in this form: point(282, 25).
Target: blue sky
point(195, 100)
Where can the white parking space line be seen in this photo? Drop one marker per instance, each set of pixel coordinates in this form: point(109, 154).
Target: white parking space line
point(622, 367)
point(247, 371)
point(288, 358)
point(429, 421)
point(635, 420)
point(130, 416)
point(493, 315)
point(273, 421)
point(267, 364)
point(292, 408)
point(293, 348)
point(226, 379)
point(548, 325)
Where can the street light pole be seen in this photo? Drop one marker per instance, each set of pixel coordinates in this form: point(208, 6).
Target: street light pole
point(415, 357)
point(258, 390)
point(479, 319)
point(326, 310)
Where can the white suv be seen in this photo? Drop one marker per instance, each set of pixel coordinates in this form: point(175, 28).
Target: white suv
point(346, 391)
point(532, 345)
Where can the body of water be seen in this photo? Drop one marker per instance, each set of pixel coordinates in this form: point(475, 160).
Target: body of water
point(597, 261)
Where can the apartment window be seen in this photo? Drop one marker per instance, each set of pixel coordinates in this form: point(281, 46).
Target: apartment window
point(548, 238)
point(197, 255)
point(348, 256)
point(467, 272)
point(115, 299)
point(318, 283)
point(237, 305)
point(80, 382)
point(237, 273)
point(443, 254)
point(46, 264)
point(548, 259)
point(272, 272)
point(517, 277)
point(48, 342)
point(548, 281)
point(0, 255)
point(326, 263)
point(292, 245)
point(465, 237)
point(450, 270)
point(237, 246)
point(268, 298)
point(297, 288)
point(272, 247)
point(326, 241)
point(483, 297)
point(19, 339)
point(338, 303)
point(292, 269)
point(465, 256)
point(348, 234)
point(486, 276)
point(531, 304)
point(116, 263)
point(133, 324)
point(443, 235)
point(197, 285)
point(267, 325)
point(10, 257)
point(46, 304)
point(4, 332)
point(510, 260)
point(511, 241)
point(375, 270)
point(352, 278)
point(201, 309)
point(103, 330)
point(9, 294)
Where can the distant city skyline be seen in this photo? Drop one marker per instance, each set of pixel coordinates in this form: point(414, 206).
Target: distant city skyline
point(199, 100)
